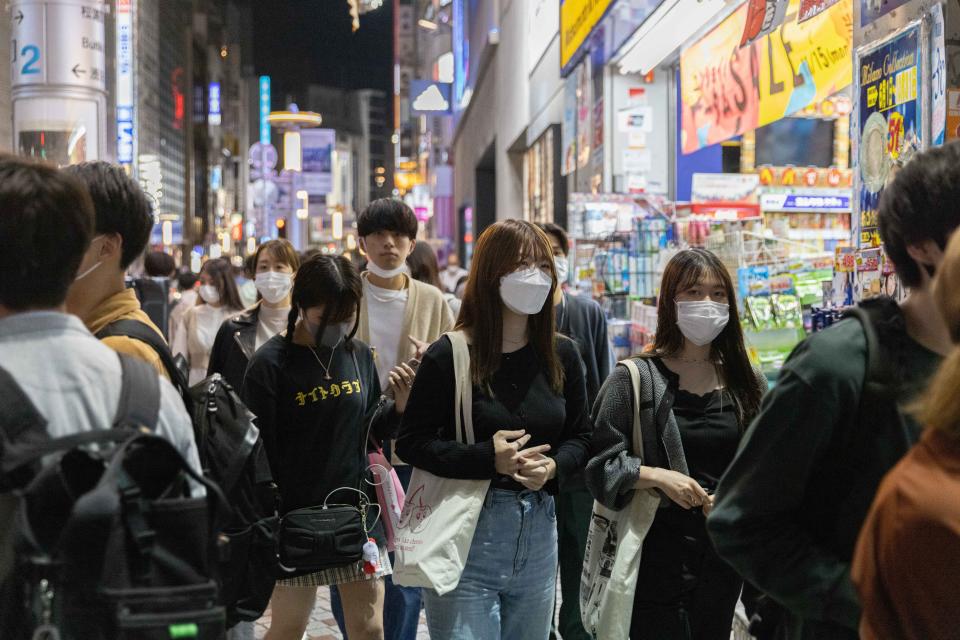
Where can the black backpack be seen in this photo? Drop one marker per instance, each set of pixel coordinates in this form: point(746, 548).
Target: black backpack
point(232, 454)
point(109, 544)
point(154, 297)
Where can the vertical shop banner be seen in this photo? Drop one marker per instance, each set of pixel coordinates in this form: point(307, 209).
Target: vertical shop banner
point(763, 16)
point(568, 133)
point(126, 129)
point(584, 114)
point(317, 147)
point(890, 119)
point(727, 90)
point(938, 76)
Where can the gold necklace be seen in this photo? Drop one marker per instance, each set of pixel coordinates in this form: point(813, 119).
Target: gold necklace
point(326, 368)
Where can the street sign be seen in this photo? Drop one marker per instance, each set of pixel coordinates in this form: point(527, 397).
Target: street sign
point(259, 155)
point(58, 44)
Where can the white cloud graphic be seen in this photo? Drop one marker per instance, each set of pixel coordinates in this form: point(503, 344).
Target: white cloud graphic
point(431, 100)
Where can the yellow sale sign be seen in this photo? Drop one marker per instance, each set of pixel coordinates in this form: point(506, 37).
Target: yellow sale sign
point(728, 90)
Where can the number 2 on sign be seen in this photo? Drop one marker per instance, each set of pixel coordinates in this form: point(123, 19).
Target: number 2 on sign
point(31, 55)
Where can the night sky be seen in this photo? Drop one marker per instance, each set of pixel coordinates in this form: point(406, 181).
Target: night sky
point(299, 42)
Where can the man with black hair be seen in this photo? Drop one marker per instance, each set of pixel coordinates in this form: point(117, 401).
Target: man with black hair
point(123, 221)
point(74, 381)
point(581, 319)
point(399, 318)
point(790, 507)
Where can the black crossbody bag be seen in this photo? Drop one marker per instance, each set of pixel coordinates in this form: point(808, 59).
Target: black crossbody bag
point(329, 535)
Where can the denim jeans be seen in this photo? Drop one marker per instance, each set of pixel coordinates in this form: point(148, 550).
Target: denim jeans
point(507, 587)
point(401, 605)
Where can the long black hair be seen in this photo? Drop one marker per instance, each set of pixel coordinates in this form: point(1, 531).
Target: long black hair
point(685, 270)
point(331, 281)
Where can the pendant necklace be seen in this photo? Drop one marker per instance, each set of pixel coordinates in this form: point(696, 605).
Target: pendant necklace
point(326, 368)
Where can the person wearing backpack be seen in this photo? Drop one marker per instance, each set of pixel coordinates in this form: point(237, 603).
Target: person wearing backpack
point(789, 509)
point(74, 382)
point(99, 296)
point(275, 263)
point(530, 429)
point(907, 562)
point(703, 392)
point(316, 394)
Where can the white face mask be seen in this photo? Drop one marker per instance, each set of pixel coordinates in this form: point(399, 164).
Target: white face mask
point(562, 266)
point(525, 291)
point(274, 286)
point(386, 273)
point(702, 321)
point(209, 294)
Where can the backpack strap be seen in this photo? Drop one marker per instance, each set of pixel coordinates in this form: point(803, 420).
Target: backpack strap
point(21, 428)
point(143, 332)
point(139, 395)
point(637, 403)
point(463, 387)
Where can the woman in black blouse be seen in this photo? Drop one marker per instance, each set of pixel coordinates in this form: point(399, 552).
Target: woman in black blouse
point(316, 393)
point(531, 425)
point(705, 394)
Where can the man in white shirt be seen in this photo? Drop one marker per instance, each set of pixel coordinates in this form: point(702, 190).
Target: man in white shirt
point(72, 379)
point(450, 276)
point(399, 318)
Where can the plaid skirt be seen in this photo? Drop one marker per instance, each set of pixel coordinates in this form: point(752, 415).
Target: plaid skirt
point(341, 575)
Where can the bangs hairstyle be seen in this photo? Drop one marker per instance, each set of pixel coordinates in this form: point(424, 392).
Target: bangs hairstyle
point(280, 250)
point(388, 214)
point(940, 406)
point(686, 269)
point(331, 281)
point(500, 251)
point(221, 273)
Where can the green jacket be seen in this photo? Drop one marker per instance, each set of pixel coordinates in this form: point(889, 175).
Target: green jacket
point(790, 507)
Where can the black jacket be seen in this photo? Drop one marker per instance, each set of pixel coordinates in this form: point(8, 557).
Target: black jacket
point(234, 346)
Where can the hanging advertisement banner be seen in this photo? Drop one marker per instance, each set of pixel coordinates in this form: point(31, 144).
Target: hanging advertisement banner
point(811, 8)
point(317, 147)
point(577, 19)
point(584, 114)
point(126, 129)
point(890, 128)
point(938, 77)
point(568, 133)
point(763, 16)
point(727, 90)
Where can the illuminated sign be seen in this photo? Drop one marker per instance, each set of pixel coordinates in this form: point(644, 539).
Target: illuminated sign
point(429, 97)
point(264, 109)
point(126, 130)
point(813, 202)
point(213, 99)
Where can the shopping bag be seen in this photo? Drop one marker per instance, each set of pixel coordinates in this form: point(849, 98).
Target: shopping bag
point(612, 555)
point(440, 514)
point(389, 494)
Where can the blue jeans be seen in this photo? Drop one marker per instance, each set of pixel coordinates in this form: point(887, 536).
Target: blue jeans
point(401, 605)
point(507, 587)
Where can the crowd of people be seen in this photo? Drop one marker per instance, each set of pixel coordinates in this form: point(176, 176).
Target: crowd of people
point(829, 505)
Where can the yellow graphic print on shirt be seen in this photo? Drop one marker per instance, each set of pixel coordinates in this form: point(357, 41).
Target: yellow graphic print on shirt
point(320, 393)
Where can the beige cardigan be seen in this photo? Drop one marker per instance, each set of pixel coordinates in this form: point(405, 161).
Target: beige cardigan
point(427, 317)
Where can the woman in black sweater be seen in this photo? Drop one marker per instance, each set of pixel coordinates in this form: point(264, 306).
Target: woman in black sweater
point(705, 393)
point(316, 394)
point(531, 426)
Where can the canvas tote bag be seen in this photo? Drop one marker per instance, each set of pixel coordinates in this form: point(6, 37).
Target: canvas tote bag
point(440, 515)
point(614, 542)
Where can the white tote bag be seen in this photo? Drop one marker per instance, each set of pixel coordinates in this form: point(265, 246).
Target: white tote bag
point(440, 514)
point(612, 555)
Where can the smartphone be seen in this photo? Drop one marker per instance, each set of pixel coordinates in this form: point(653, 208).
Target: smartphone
point(414, 364)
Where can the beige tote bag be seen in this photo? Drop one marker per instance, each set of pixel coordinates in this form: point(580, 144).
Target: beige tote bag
point(612, 555)
point(440, 514)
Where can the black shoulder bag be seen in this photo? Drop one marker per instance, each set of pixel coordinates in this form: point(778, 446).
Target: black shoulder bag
point(326, 536)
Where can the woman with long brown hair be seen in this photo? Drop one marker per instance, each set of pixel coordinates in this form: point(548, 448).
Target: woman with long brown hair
point(907, 562)
point(705, 393)
point(531, 426)
point(218, 301)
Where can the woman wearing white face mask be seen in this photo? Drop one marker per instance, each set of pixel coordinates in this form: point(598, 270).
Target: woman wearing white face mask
point(316, 394)
point(531, 426)
point(218, 301)
point(275, 263)
point(705, 393)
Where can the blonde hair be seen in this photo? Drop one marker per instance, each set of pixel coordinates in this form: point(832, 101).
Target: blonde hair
point(940, 406)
